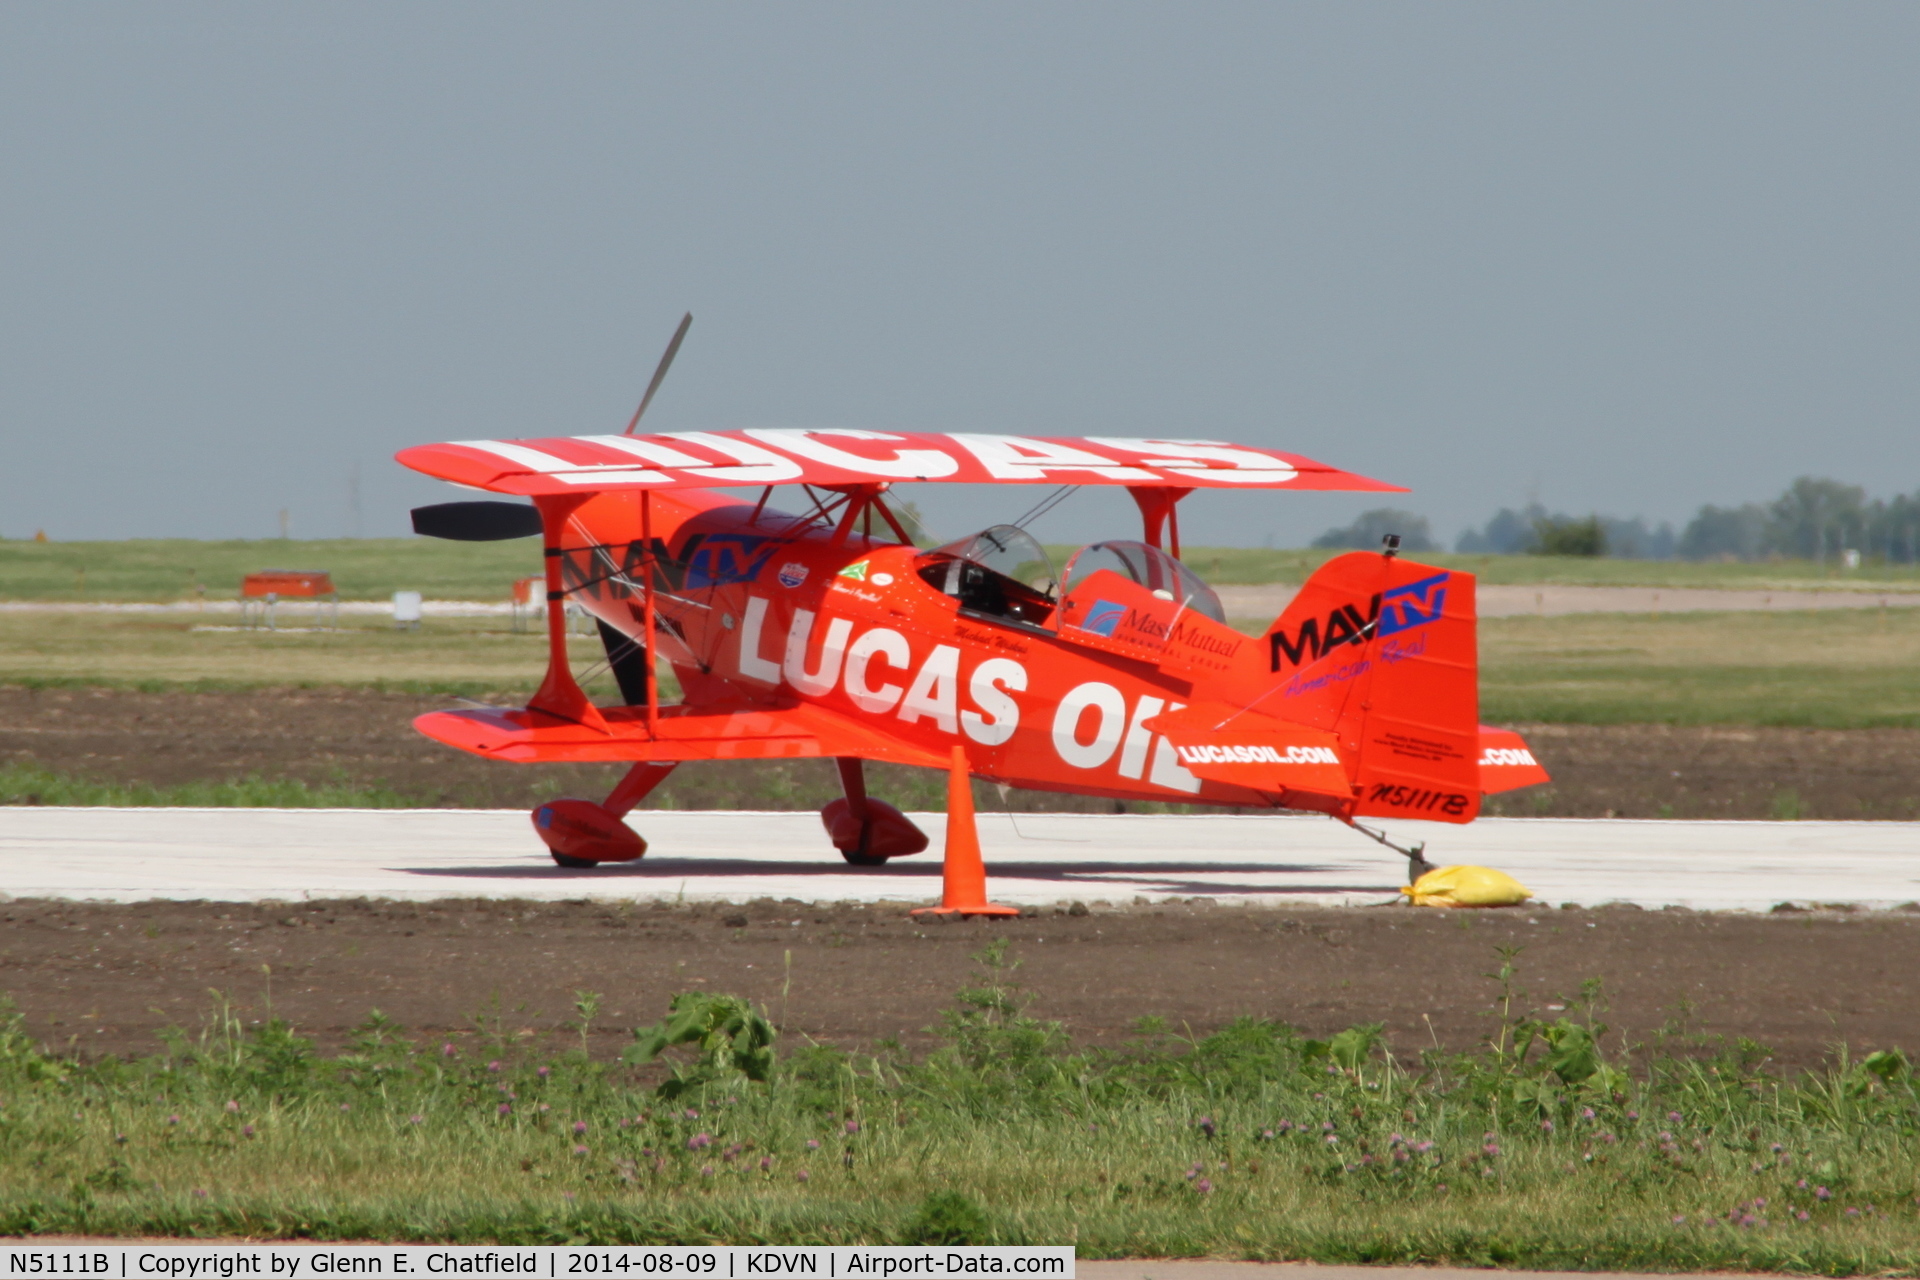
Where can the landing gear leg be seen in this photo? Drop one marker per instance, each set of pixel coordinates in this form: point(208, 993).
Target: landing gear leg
point(1417, 864)
point(867, 831)
point(853, 785)
point(637, 786)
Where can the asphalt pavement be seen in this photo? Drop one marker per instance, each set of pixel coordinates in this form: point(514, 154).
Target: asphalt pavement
point(289, 854)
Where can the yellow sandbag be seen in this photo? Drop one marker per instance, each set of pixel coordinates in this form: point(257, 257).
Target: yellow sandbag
point(1467, 887)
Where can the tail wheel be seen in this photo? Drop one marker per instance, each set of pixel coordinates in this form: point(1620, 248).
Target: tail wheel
point(860, 859)
point(571, 862)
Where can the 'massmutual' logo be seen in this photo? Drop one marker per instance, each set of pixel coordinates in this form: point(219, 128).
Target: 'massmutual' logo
point(1237, 754)
point(1397, 609)
point(792, 574)
point(1103, 617)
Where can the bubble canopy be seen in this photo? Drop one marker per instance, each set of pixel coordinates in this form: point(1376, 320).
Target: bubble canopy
point(1152, 568)
point(1006, 549)
point(1000, 572)
point(1005, 572)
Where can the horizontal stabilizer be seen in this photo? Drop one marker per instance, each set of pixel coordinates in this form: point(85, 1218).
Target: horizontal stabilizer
point(1506, 762)
point(1247, 749)
point(685, 733)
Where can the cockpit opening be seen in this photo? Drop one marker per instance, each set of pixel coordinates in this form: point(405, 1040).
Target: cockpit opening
point(1000, 572)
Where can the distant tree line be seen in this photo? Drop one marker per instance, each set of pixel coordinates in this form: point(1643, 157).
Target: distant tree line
point(1815, 519)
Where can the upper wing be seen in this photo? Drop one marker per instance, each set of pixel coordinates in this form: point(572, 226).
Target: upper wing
point(709, 459)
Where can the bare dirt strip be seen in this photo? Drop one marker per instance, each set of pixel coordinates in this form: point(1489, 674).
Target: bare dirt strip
point(109, 978)
point(364, 737)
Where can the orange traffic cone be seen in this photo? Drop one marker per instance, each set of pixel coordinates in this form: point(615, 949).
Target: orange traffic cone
point(963, 877)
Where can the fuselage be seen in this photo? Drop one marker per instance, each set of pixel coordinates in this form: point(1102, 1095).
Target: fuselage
point(767, 608)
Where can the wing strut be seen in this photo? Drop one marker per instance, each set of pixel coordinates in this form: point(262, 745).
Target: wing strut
point(560, 695)
point(1159, 511)
point(653, 666)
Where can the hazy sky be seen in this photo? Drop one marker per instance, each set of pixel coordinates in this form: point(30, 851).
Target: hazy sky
point(1626, 257)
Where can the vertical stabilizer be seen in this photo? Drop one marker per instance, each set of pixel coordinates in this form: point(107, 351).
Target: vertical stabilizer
point(1382, 651)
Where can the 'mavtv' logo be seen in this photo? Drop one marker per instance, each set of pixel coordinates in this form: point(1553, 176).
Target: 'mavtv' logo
point(1397, 609)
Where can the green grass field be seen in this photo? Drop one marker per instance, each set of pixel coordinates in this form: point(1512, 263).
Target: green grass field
point(457, 656)
point(1553, 1147)
point(164, 569)
point(1833, 669)
point(1837, 669)
point(1236, 565)
point(374, 568)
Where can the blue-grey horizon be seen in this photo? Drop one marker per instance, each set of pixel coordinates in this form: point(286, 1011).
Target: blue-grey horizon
point(1622, 258)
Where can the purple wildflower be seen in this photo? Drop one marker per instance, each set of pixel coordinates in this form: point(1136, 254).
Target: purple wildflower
point(579, 1150)
point(233, 1108)
point(1203, 1187)
point(801, 1175)
point(579, 1126)
point(699, 1141)
point(506, 1108)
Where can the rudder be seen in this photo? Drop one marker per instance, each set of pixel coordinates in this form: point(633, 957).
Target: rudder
point(1382, 652)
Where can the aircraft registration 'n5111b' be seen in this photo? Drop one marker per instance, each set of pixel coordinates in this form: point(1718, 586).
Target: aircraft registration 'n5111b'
point(829, 634)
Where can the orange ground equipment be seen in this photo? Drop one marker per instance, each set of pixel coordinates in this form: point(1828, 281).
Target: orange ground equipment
point(529, 598)
point(261, 592)
point(828, 634)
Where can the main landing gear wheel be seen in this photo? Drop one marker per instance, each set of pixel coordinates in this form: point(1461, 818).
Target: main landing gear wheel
point(581, 833)
point(866, 831)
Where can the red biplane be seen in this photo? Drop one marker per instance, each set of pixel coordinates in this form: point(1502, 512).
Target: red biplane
point(828, 633)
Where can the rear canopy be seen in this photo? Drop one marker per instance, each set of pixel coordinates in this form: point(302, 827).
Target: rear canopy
point(848, 456)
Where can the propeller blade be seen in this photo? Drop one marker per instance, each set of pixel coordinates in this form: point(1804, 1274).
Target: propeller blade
point(666, 362)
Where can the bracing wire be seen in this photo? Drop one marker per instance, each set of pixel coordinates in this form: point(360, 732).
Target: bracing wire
point(1047, 504)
